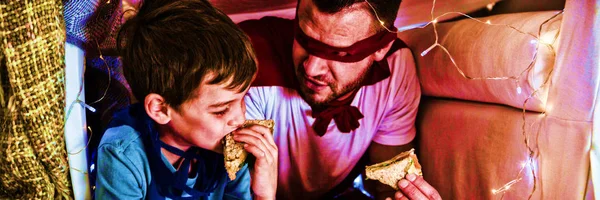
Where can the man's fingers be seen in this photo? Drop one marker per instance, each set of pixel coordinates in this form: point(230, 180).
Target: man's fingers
point(400, 196)
point(423, 186)
point(410, 191)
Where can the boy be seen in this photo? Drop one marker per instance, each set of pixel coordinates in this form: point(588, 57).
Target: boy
point(189, 66)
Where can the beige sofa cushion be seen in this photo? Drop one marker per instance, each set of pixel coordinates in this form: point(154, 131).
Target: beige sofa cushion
point(467, 149)
point(482, 50)
point(413, 12)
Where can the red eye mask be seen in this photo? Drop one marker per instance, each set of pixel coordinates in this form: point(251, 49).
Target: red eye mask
point(354, 53)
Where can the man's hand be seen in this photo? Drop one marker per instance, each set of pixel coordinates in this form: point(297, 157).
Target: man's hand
point(415, 187)
point(260, 143)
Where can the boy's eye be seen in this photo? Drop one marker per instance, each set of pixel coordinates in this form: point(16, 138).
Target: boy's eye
point(221, 113)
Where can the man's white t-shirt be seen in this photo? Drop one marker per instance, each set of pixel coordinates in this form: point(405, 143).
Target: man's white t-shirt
point(311, 165)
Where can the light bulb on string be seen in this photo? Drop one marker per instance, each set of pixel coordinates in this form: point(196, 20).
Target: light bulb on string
point(490, 6)
point(534, 41)
point(90, 108)
point(547, 39)
point(428, 49)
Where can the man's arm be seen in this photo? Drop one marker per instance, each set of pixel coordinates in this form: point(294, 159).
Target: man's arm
point(398, 127)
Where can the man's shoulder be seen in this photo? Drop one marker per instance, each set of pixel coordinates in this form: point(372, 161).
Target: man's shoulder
point(403, 73)
point(272, 39)
point(398, 51)
point(276, 92)
point(401, 62)
point(271, 31)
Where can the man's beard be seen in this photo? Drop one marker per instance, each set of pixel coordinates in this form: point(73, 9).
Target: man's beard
point(335, 93)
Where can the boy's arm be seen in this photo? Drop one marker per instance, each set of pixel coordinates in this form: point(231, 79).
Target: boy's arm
point(240, 187)
point(118, 176)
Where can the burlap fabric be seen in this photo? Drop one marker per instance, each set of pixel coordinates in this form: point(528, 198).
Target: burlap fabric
point(33, 159)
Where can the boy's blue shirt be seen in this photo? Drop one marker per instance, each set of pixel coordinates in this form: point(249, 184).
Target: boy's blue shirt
point(123, 168)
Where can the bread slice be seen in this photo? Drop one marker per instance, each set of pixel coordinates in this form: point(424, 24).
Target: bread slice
point(234, 152)
point(391, 171)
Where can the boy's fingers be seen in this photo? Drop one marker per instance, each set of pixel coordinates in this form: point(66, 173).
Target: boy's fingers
point(254, 137)
point(249, 138)
point(266, 132)
point(263, 130)
point(259, 153)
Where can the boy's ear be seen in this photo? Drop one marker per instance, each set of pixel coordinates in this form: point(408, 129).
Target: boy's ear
point(157, 109)
point(380, 54)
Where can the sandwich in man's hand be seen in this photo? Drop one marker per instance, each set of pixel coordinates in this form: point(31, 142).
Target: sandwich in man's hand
point(391, 171)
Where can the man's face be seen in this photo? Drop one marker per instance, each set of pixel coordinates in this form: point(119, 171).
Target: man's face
point(206, 118)
point(321, 80)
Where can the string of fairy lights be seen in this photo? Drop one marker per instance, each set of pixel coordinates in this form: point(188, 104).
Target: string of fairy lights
point(87, 106)
point(538, 40)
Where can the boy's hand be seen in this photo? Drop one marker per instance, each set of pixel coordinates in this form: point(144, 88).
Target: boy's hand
point(259, 142)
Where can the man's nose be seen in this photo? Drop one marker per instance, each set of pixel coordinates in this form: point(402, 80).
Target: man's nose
point(315, 66)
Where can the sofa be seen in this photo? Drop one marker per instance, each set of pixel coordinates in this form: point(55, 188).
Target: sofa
point(477, 134)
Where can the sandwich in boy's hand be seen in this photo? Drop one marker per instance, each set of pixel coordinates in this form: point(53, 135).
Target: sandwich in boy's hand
point(391, 171)
point(234, 153)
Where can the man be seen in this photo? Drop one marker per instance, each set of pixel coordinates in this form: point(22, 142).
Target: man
point(340, 85)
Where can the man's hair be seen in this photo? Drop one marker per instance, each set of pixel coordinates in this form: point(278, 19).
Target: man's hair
point(170, 46)
point(387, 10)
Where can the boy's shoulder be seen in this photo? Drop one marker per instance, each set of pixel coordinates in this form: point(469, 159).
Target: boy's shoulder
point(121, 137)
point(121, 133)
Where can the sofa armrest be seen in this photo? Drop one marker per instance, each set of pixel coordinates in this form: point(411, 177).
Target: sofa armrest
point(577, 76)
point(577, 73)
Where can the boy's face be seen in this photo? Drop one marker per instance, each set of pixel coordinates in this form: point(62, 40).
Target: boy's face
point(208, 116)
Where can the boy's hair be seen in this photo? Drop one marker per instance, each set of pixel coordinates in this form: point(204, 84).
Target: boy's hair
point(387, 10)
point(170, 46)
